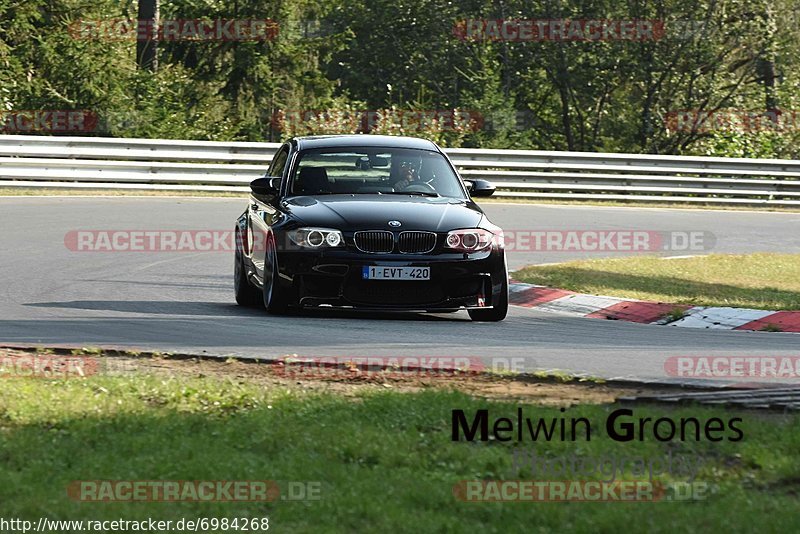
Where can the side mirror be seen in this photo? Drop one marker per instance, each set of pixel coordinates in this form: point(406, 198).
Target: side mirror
point(480, 188)
point(266, 186)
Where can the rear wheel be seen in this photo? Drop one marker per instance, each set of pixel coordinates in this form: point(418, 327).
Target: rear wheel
point(276, 298)
point(246, 293)
point(499, 309)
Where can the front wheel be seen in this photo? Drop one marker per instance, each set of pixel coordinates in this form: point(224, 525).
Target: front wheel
point(246, 293)
point(276, 299)
point(499, 309)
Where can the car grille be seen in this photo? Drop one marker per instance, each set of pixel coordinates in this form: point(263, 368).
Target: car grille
point(416, 242)
point(383, 241)
point(375, 241)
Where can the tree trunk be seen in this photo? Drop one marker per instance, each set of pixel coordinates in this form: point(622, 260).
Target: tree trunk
point(147, 35)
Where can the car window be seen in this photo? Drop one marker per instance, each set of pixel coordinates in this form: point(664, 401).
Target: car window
point(374, 171)
point(279, 162)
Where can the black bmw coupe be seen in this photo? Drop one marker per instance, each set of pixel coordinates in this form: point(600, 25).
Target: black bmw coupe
point(369, 222)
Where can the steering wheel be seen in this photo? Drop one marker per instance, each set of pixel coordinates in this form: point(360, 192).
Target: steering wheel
point(420, 187)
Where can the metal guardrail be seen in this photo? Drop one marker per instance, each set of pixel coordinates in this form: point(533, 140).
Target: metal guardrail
point(96, 162)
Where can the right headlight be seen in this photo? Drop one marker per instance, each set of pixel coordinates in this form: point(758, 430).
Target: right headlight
point(316, 237)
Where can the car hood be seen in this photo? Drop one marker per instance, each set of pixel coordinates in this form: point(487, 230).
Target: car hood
point(344, 212)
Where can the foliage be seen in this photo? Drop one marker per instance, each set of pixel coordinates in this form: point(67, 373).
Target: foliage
point(339, 66)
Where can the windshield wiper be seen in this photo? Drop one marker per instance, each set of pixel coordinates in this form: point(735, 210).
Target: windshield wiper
point(418, 193)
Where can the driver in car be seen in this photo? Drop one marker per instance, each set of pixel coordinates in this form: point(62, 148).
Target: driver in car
point(408, 176)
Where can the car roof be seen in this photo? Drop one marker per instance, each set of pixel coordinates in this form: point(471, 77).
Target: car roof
point(363, 140)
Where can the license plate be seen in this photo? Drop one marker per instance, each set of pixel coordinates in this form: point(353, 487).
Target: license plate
point(396, 273)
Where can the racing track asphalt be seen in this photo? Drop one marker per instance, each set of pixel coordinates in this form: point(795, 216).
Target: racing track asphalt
point(183, 302)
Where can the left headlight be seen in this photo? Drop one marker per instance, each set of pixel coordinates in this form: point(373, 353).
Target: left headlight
point(471, 240)
point(316, 237)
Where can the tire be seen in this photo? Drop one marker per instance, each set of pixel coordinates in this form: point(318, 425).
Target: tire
point(246, 293)
point(275, 297)
point(498, 311)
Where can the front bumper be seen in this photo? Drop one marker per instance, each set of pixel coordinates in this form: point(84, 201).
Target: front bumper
point(333, 278)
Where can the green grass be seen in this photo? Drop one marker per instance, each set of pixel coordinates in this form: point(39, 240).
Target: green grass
point(763, 281)
point(385, 461)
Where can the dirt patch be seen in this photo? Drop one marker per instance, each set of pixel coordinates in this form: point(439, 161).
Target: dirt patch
point(346, 380)
point(354, 382)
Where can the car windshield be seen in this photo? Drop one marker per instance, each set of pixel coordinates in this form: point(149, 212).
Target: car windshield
point(388, 171)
